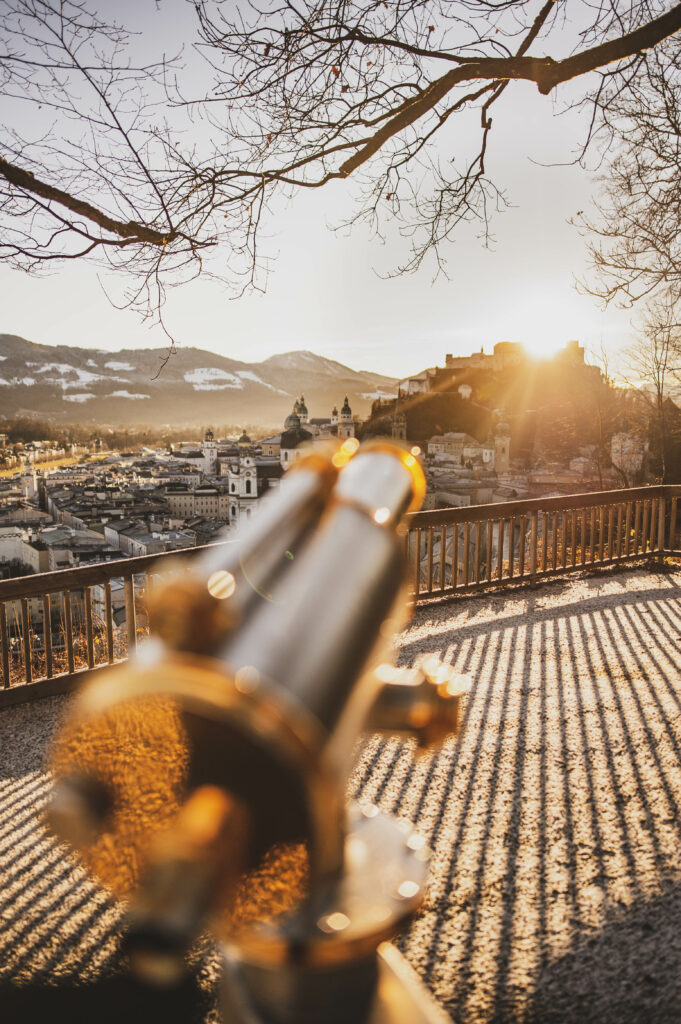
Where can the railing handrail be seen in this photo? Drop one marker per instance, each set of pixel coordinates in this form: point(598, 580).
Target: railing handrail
point(37, 584)
point(450, 552)
point(560, 503)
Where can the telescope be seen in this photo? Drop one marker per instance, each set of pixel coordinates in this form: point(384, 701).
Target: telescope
point(204, 781)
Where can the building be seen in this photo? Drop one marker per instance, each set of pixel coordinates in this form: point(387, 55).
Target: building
point(502, 447)
point(399, 425)
point(300, 429)
point(338, 424)
point(628, 453)
point(461, 449)
point(293, 438)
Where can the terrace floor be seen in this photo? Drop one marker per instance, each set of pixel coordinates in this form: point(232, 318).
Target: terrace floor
point(555, 818)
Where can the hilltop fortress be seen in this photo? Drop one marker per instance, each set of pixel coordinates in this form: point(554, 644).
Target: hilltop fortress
point(504, 425)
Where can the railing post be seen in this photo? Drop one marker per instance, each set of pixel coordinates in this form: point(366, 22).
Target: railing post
point(26, 631)
point(511, 546)
point(4, 639)
point(129, 587)
point(476, 552)
point(89, 634)
point(488, 565)
point(611, 524)
point(618, 533)
point(108, 616)
point(544, 539)
point(554, 541)
point(660, 525)
point(47, 635)
point(68, 622)
point(533, 547)
point(443, 555)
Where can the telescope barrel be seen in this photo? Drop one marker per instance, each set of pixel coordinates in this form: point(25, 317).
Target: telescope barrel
point(338, 594)
point(215, 593)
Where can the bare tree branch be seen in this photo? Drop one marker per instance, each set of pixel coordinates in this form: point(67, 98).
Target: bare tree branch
point(166, 168)
point(28, 183)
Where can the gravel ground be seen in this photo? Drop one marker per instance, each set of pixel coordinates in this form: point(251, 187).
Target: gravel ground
point(555, 818)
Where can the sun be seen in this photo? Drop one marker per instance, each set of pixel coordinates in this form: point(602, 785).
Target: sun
point(544, 322)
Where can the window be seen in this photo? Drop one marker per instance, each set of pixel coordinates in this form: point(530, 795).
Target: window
point(248, 487)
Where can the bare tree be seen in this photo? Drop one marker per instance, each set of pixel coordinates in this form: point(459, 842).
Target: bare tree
point(603, 401)
point(635, 237)
point(88, 167)
point(652, 365)
point(153, 170)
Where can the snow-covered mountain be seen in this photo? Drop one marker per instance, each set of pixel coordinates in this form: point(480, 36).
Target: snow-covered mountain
point(194, 387)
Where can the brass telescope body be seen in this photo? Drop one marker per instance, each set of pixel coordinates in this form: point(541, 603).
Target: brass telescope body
point(204, 781)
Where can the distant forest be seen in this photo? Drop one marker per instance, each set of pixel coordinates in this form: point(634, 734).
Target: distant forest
point(24, 429)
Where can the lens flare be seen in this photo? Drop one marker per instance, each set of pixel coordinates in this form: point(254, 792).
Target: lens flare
point(221, 584)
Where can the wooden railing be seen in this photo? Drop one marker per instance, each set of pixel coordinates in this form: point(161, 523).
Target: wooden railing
point(56, 626)
point(459, 550)
point(81, 607)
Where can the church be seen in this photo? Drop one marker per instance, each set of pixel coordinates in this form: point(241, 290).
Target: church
point(299, 430)
point(234, 475)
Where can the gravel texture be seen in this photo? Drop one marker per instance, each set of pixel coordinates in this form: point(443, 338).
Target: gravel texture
point(555, 818)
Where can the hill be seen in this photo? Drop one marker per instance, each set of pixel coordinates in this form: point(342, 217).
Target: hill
point(196, 387)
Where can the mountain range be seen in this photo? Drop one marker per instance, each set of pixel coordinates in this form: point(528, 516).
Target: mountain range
point(195, 387)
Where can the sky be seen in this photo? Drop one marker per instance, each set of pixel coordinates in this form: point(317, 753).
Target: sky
point(327, 291)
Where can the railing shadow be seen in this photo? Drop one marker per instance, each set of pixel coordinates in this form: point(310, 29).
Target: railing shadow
point(555, 818)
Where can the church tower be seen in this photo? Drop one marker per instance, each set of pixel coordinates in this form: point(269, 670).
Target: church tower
point(346, 428)
point(29, 487)
point(399, 425)
point(502, 447)
point(209, 447)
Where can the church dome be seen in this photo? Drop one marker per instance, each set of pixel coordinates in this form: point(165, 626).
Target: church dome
point(294, 436)
point(346, 410)
point(302, 408)
point(244, 439)
point(292, 420)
